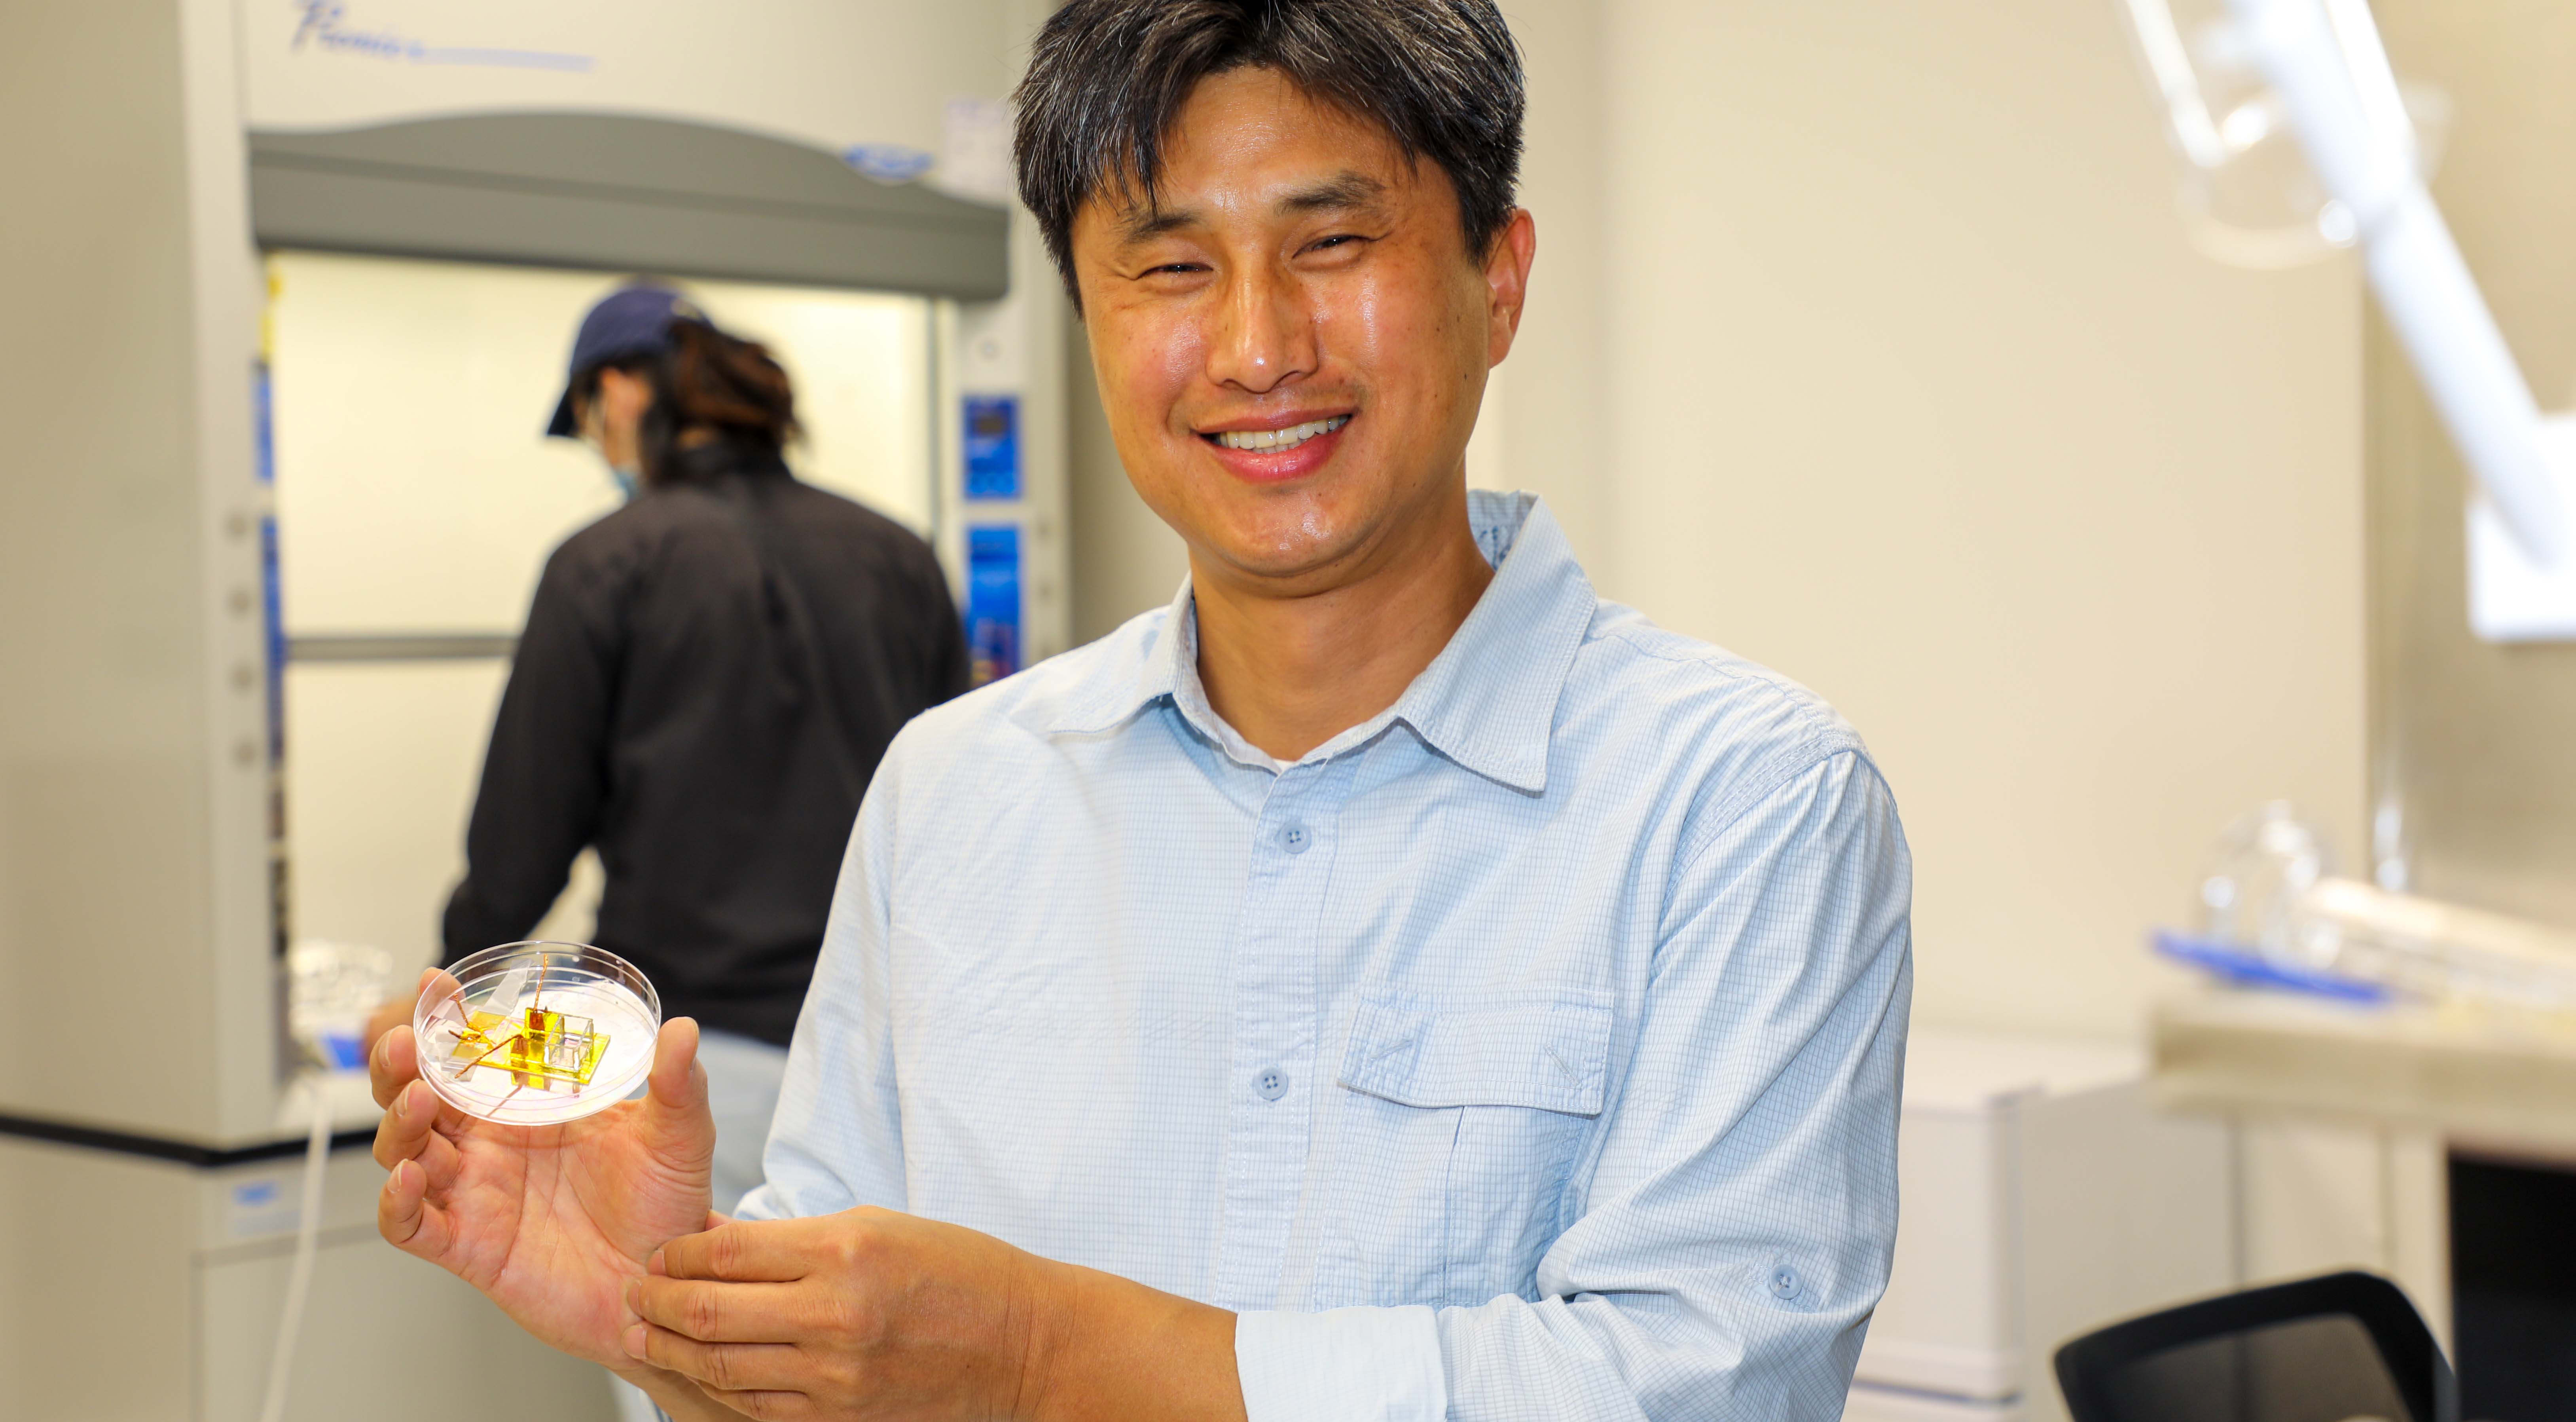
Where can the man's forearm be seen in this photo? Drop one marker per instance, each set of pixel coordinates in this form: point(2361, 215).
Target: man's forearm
point(1107, 1350)
point(874, 1311)
point(1114, 1350)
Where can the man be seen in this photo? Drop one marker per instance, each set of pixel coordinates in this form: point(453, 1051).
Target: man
point(1390, 983)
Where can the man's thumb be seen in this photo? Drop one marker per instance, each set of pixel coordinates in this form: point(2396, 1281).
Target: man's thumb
point(677, 1082)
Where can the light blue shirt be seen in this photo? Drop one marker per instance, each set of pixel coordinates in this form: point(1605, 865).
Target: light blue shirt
point(1528, 1051)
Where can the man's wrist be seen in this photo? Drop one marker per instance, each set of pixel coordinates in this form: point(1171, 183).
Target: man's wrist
point(1100, 1347)
point(1049, 1316)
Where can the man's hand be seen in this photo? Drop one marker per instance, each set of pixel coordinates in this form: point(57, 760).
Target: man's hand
point(873, 1314)
point(552, 1222)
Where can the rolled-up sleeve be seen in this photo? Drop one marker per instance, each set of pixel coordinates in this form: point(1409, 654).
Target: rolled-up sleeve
point(1735, 1228)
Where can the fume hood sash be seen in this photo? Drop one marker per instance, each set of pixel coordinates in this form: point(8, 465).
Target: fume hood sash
point(623, 193)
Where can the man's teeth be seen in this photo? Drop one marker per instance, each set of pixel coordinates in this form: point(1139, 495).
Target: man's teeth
point(1272, 441)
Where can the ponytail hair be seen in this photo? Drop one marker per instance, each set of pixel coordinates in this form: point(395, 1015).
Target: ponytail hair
point(708, 379)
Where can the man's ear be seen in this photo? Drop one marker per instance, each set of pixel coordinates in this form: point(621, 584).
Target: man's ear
point(1507, 269)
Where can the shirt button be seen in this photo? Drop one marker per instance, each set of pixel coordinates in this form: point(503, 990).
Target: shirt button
point(1784, 1283)
point(1296, 838)
point(1271, 1084)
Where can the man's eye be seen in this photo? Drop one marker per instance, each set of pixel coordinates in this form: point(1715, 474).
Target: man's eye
point(1174, 269)
point(1338, 239)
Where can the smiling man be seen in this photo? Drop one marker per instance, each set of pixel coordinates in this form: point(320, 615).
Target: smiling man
point(1390, 982)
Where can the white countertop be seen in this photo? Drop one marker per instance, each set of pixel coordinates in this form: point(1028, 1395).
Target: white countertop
point(2474, 1074)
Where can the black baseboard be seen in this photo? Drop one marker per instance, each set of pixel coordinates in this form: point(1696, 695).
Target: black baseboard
point(165, 1148)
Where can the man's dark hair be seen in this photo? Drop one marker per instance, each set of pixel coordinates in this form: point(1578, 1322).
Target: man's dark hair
point(1108, 78)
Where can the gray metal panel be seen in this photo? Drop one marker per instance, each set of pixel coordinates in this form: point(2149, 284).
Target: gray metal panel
point(405, 647)
point(613, 192)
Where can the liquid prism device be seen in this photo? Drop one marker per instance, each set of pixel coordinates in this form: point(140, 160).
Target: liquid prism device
point(536, 1033)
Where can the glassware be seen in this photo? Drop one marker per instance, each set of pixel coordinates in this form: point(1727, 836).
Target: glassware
point(537, 1033)
point(331, 989)
point(2274, 891)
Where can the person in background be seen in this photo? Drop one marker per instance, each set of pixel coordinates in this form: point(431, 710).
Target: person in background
point(708, 679)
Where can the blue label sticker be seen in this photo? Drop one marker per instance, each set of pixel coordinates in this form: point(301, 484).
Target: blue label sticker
point(887, 162)
point(263, 1206)
point(992, 446)
point(263, 425)
point(993, 601)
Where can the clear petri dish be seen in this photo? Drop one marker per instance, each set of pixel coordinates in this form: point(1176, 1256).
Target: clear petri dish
point(537, 1033)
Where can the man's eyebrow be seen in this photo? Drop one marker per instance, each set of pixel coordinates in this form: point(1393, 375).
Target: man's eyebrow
point(1144, 222)
point(1345, 191)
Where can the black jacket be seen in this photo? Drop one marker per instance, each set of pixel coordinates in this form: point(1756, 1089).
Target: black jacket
point(708, 679)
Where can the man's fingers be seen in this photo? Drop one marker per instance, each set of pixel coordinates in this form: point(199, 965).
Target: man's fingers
point(714, 1312)
point(679, 1129)
point(439, 1155)
point(393, 1064)
point(724, 1367)
point(394, 1058)
point(743, 1252)
point(406, 1129)
point(405, 1217)
point(677, 1081)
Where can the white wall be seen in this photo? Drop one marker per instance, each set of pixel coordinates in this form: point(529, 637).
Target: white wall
point(1125, 560)
point(1914, 391)
point(1552, 436)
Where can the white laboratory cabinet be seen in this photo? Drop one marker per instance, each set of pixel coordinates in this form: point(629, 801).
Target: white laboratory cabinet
point(2040, 1196)
point(136, 1288)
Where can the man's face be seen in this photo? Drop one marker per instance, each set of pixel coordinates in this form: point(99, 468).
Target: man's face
point(1292, 343)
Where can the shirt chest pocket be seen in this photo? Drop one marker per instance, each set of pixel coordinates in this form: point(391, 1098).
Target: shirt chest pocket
point(1459, 1123)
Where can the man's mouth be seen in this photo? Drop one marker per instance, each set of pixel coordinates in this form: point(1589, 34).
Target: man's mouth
point(1273, 441)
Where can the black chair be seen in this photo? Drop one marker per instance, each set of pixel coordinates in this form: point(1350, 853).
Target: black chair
point(2328, 1349)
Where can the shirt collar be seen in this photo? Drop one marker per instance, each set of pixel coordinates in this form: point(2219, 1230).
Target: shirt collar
point(1488, 701)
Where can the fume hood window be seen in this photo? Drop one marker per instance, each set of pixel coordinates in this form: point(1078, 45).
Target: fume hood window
point(415, 491)
point(417, 500)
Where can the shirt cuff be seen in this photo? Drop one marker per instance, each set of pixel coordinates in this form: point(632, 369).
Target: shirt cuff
point(1346, 1364)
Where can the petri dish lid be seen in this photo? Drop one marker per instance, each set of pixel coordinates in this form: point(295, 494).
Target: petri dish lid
point(537, 1033)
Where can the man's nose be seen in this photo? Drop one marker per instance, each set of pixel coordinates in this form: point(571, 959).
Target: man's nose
point(1266, 334)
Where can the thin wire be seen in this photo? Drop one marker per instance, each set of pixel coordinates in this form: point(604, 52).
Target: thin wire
point(487, 1053)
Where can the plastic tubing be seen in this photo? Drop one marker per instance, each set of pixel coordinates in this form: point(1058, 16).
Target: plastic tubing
point(308, 1239)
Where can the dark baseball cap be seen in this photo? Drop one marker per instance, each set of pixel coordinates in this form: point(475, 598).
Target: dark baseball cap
point(630, 321)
